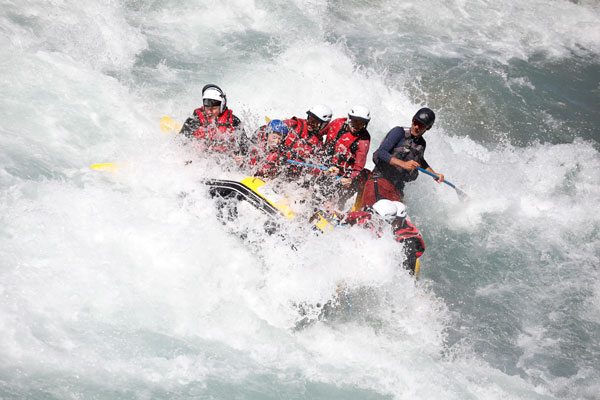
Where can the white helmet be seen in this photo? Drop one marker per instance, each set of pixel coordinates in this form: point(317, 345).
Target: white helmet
point(212, 94)
point(401, 209)
point(322, 113)
point(387, 209)
point(361, 113)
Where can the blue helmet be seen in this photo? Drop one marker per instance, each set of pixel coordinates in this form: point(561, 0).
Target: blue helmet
point(278, 126)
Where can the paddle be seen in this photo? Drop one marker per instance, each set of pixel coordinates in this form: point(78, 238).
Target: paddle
point(168, 125)
point(321, 167)
point(461, 194)
point(111, 166)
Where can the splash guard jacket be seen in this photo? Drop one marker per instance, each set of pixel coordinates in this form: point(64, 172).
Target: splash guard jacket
point(223, 135)
point(345, 150)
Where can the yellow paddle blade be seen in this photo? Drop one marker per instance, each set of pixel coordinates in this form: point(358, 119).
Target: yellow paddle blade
point(267, 119)
point(358, 201)
point(168, 125)
point(111, 166)
point(417, 267)
point(324, 225)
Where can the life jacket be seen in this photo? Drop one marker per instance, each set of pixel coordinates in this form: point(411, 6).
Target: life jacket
point(341, 145)
point(407, 231)
point(358, 218)
point(409, 150)
point(265, 161)
point(261, 139)
point(299, 144)
point(364, 219)
point(219, 136)
point(267, 164)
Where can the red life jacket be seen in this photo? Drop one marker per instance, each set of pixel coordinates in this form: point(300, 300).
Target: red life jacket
point(299, 144)
point(410, 231)
point(267, 164)
point(341, 145)
point(270, 164)
point(358, 218)
point(266, 160)
point(364, 220)
point(220, 135)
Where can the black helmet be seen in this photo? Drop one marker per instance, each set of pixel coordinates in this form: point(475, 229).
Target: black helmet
point(426, 116)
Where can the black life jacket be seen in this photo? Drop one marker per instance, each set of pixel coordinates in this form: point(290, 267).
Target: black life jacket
point(409, 150)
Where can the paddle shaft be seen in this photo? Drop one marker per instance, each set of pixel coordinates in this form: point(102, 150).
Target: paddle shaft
point(322, 168)
point(461, 194)
point(435, 176)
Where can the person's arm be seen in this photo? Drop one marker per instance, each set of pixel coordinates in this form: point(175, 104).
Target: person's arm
point(394, 138)
point(242, 139)
point(190, 125)
point(441, 176)
point(384, 152)
point(361, 157)
point(425, 166)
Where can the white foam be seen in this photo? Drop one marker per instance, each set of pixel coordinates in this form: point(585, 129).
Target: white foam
point(116, 278)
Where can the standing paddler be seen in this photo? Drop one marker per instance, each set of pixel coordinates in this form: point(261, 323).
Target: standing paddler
point(397, 158)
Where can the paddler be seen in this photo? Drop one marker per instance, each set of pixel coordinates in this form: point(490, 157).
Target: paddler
point(397, 158)
point(214, 126)
point(347, 143)
point(391, 213)
point(305, 138)
point(266, 154)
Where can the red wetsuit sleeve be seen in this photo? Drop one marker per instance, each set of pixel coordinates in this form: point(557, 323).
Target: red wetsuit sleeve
point(361, 157)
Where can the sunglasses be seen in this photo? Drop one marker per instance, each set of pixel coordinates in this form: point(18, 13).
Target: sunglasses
point(211, 103)
point(419, 124)
point(357, 123)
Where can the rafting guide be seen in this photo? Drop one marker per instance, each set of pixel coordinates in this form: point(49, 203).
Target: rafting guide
point(398, 158)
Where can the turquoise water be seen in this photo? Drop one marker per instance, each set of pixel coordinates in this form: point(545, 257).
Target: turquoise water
point(116, 286)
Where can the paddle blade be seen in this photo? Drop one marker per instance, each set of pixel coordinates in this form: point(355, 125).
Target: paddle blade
point(168, 125)
point(110, 167)
point(462, 195)
point(267, 119)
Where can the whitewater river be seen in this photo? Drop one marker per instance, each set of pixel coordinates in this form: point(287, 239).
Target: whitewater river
point(120, 286)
